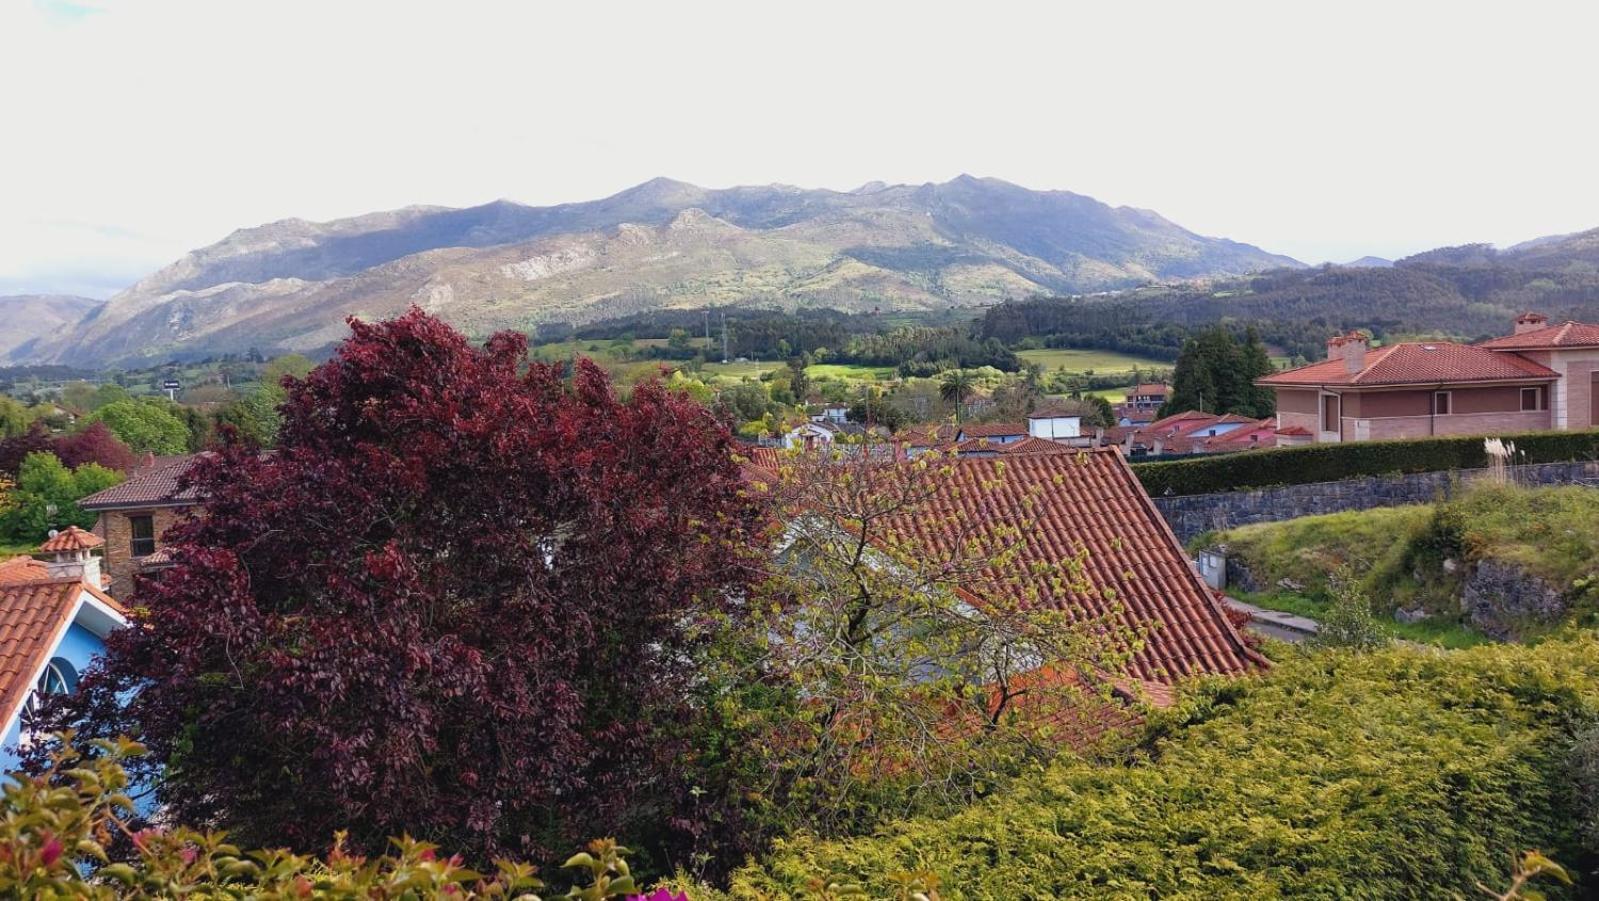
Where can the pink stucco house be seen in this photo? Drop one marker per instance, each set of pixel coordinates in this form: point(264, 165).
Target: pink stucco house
point(1539, 377)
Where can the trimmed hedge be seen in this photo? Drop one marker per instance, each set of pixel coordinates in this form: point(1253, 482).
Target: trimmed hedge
point(1331, 462)
point(1404, 773)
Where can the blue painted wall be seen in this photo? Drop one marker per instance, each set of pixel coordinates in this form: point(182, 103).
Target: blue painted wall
point(78, 646)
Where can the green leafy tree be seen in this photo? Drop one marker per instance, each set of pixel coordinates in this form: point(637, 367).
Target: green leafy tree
point(147, 425)
point(46, 496)
point(798, 382)
point(14, 417)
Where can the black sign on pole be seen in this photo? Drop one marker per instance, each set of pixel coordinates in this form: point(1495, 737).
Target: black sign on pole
point(171, 385)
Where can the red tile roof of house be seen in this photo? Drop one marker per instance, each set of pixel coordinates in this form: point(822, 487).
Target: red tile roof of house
point(1035, 445)
point(929, 436)
point(1566, 334)
point(155, 486)
point(72, 539)
point(992, 429)
point(1090, 501)
point(22, 569)
point(1417, 363)
point(1295, 431)
point(1149, 389)
point(33, 617)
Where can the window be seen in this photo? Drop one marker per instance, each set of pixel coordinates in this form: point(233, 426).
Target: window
point(1329, 413)
point(1532, 399)
point(60, 677)
point(1440, 403)
point(143, 532)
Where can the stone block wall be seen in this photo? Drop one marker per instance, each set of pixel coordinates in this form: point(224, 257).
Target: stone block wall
point(1195, 514)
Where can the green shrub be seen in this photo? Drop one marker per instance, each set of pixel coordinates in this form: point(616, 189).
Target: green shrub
point(1403, 773)
point(1331, 462)
point(57, 830)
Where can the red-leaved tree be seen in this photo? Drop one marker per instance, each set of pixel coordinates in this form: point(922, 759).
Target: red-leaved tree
point(94, 444)
point(17, 448)
point(458, 600)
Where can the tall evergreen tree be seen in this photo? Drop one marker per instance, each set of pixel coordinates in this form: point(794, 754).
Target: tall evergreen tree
point(1256, 364)
point(1214, 374)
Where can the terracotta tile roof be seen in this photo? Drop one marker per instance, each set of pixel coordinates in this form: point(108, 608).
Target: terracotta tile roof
point(1566, 334)
point(930, 436)
point(1295, 431)
point(154, 486)
point(1149, 389)
point(33, 616)
point(1418, 363)
point(1064, 504)
point(758, 463)
point(992, 429)
point(72, 539)
point(22, 569)
point(1034, 445)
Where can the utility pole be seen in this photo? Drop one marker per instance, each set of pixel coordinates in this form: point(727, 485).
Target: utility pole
point(724, 337)
point(707, 328)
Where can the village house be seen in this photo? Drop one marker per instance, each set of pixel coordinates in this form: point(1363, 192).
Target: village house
point(134, 515)
point(54, 619)
point(1143, 404)
point(1539, 377)
point(1193, 432)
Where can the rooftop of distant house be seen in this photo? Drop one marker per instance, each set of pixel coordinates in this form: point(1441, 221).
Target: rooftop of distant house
point(1352, 362)
point(154, 483)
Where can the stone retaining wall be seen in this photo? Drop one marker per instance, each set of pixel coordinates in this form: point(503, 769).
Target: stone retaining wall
point(1195, 514)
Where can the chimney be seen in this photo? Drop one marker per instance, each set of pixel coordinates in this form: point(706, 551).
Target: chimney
point(72, 555)
point(1351, 348)
point(1530, 322)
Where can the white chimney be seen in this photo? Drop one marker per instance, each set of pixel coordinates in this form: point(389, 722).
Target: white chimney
point(72, 555)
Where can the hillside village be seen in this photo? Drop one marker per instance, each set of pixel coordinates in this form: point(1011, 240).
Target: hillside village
point(1056, 585)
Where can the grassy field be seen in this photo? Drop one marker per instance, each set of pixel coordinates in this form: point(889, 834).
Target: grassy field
point(9, 550)
point(1114, 395)
point(750, 369)
point(849, 371)
point(1100, 361)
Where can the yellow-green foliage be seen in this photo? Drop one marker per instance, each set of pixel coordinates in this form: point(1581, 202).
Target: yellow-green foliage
point(1404, 773)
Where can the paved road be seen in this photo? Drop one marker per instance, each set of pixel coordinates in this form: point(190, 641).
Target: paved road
point(1275, 623)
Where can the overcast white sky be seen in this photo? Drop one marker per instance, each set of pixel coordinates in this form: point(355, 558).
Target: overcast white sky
point(135, 130)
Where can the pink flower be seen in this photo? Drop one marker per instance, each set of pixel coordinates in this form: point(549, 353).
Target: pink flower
point(51, 852)
point(661, 894)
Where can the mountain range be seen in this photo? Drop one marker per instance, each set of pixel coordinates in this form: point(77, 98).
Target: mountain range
point(288, 286)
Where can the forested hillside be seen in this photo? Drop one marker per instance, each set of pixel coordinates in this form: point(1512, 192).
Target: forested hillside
point(1465, 292)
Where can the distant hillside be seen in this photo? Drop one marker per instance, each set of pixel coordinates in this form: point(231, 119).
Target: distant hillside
point(1467, 292)
point(27, 320)
point(661, 245)
point(1369, 262)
